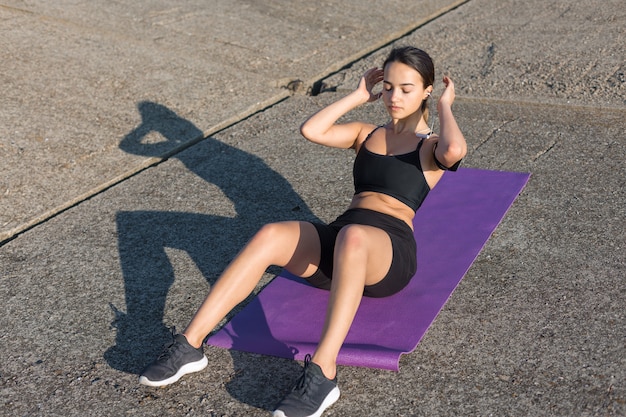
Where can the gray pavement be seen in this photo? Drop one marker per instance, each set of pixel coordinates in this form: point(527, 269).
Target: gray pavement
point(107, 243)
point(76, 77)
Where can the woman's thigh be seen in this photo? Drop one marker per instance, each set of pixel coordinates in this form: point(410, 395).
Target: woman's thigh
point(295, 246)
point(390, 261)
point(367, 246)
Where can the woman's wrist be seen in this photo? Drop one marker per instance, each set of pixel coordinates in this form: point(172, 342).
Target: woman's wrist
point(360, 97)
point(441, 106)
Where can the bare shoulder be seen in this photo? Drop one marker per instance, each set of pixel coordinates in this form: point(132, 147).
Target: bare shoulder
point(364, 131)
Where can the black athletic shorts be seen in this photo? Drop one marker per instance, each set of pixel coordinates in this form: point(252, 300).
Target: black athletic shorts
point(403, 263)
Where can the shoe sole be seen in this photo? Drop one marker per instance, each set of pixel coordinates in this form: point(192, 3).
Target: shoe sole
point(184, 370)
point(330, 399)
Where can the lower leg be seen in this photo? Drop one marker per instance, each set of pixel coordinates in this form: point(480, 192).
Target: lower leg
point(343, 305)
point(237, 281)
point(290, 244)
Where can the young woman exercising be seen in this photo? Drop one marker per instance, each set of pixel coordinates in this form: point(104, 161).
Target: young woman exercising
point(367, 251)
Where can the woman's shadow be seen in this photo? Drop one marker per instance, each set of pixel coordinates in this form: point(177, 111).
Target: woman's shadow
point(259, 194)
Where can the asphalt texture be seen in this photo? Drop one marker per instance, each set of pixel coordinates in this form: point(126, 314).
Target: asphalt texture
point(144, 143)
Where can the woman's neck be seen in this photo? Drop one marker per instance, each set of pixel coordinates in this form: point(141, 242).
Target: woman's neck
point(412, 124)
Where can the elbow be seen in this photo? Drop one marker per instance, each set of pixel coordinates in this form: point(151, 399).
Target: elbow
point(455, 152)
point(305, 131)
point(311, 133)
point(451, 153)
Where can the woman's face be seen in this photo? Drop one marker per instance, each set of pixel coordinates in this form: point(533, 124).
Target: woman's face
point(403, 90)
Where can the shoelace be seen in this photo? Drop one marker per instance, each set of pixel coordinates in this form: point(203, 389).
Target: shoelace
point(301, 383)
point(168, 349)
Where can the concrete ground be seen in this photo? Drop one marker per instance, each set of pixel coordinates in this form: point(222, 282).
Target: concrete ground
point(144, 144)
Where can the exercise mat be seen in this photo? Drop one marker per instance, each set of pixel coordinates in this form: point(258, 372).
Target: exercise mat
point(451, 228)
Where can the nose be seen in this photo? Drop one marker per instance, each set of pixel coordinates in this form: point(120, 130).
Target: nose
point(395, 93)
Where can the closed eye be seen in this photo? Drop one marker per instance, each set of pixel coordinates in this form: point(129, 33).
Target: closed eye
point(403, 90)
point(388, 87)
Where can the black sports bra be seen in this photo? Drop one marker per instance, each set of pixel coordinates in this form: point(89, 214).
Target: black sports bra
point(399, 176)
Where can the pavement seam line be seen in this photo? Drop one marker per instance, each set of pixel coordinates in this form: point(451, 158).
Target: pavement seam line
point(388, 40)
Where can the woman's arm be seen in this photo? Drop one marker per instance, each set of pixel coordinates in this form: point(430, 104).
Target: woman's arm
point(322, 127)
point(451, 146)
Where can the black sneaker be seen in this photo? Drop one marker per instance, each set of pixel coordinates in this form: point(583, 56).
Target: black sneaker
point(312, 394)
point(177, 359)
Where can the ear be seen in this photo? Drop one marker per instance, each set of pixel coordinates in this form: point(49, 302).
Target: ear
point(428, 92)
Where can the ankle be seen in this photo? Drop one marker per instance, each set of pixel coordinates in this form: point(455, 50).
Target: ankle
point(328, 369)
point(193, 341)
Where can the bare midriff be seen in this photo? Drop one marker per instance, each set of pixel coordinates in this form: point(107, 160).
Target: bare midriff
point(384, 204)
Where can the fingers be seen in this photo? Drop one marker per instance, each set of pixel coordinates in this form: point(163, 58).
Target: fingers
point(449, 87)
point(375, 70)
point(448, 94)
point(369, 80)
point(374, 75)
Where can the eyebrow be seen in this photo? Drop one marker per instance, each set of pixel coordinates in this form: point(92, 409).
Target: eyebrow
point(401, 85)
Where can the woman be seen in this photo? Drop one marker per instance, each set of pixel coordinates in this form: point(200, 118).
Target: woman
point(368, 251)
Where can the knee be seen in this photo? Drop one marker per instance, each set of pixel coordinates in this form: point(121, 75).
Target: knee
point(352, 238)
point(268, 233)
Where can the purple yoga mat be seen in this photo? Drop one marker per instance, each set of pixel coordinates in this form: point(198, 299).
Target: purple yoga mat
point(451, 227)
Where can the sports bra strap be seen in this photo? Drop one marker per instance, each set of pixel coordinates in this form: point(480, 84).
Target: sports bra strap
point(371, 133)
